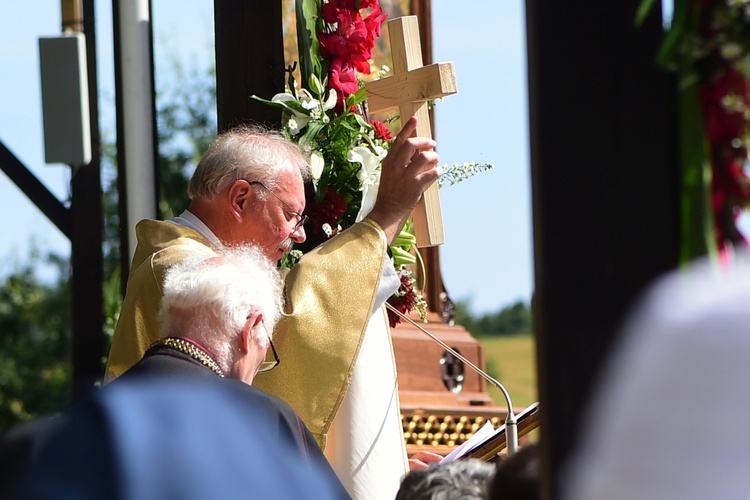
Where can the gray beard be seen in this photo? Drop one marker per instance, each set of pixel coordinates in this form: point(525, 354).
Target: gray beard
point(286, 245)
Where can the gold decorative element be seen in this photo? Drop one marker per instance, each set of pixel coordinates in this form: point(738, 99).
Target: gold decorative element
point(445, 430)
point(192, 350)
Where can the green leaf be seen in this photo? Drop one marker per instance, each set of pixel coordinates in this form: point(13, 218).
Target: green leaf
point(402, 257)
point(290, 106)
point(323, 182)
point(311, 132)
point(643, 9)
point(695, 180)
point(316, 87)
point(308, 14)
point(404, 239)
point(669, 54)
point(356, 98)
point(361, 121)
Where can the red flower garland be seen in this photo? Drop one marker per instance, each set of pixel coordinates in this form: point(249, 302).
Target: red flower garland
point(347, 41)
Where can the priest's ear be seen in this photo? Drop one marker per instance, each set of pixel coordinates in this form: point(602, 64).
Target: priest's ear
point(247, 339)
point(239, 194)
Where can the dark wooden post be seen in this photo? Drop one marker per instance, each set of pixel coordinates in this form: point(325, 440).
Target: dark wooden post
point(604, 183)
point(249, 60)
point(87, 231)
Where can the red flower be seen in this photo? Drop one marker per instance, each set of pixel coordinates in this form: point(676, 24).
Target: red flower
point(373, 22)
point(724, 125)
point(403, 300)
point(368, 4)
point(343, 79)
point(330, 10)
point(350, 42)
point(381, 130)
point(328, 211)
point(341, 4)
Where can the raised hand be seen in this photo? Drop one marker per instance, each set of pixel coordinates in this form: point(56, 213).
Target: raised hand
point(408, 170)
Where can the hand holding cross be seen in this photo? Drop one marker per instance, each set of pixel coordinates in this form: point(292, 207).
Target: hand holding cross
point(411, 87)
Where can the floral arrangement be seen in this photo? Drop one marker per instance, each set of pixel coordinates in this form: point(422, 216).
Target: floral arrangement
point(708, 44)
point(327, 115)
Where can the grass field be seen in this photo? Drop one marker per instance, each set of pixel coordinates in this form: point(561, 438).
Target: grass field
point(511, 360)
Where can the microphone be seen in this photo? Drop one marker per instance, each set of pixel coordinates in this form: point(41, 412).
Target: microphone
point(511, 423)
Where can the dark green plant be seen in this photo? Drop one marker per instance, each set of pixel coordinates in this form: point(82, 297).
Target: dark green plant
point(35, 337)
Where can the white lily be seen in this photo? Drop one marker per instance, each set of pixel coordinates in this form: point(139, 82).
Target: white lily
point(369, 195)
point(317, 164)
point(330, 103)
point(369, 175)
point(307, 100)
point(294, 120)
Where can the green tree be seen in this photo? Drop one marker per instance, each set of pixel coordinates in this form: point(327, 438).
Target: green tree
point(509, 320)
point(35, 342)
point(35, 322)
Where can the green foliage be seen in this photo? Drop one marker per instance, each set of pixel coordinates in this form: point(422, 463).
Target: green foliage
point(35, 318)
point(306, 14)
point(34, 346)
point(513, 319)
point(186, 127)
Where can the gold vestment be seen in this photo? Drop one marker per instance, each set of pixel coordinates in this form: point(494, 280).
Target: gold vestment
point(330, 294)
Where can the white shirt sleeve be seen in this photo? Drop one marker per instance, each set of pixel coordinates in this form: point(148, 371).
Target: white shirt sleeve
point(389, 283)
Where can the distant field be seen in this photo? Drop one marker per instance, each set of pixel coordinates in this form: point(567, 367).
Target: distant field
point(510, 359)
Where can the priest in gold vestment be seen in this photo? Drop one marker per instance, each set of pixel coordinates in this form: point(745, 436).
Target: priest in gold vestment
point(249, 188)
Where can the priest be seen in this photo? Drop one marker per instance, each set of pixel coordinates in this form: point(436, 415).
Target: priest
point(249, 188)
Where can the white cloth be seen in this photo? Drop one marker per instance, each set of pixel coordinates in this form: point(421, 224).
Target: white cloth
point(188, 219)
point(369, 454)
point(670, 418)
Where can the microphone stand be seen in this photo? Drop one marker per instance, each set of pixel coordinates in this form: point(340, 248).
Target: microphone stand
point(511, 424)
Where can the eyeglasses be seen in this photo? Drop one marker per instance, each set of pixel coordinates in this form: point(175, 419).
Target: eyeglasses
point(267, 366)
point(302, 218)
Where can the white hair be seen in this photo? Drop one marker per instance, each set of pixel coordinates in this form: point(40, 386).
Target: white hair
point(251, 152)
point(208, 299)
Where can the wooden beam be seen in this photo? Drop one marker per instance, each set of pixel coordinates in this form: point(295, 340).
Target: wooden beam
point(249, 61)
point(87, 235)
point(72, 15)
point(605, 195)
point(419, 85)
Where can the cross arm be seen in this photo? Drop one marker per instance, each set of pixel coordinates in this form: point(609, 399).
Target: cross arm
point(419, 85)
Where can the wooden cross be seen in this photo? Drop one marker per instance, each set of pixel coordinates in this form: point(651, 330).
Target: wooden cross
point(410, 88)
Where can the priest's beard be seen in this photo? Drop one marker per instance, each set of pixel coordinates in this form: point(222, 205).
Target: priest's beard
point(286, 245)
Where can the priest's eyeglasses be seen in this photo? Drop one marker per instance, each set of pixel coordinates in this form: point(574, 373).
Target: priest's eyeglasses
point(267, 366)
point(302, 218)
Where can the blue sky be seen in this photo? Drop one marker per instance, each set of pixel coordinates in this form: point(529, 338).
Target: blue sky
point(488, 254)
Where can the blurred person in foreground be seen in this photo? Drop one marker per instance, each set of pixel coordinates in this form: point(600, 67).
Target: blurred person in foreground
point(184, 421)
point(466, 479)
point(338, 370)
point(518, 476)
point(668, 418)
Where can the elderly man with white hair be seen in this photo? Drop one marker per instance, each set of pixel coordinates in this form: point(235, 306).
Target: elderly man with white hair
point(216, 325)
point(213, 321)
point(184, 421)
